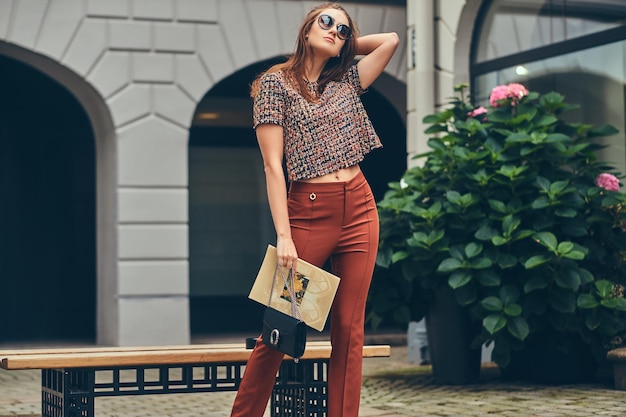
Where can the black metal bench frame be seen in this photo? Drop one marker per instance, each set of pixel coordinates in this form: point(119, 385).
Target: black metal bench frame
point(301, 389)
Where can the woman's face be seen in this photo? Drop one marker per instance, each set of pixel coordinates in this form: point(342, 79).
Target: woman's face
point(327, 42)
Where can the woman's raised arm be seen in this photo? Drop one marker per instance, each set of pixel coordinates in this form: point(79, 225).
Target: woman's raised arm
point(378, 49)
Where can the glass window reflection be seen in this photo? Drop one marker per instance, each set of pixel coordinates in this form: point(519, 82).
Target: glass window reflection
point(593, 78)
point(513, 26)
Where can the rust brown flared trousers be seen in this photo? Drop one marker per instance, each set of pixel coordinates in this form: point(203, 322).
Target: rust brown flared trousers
point(337, 221)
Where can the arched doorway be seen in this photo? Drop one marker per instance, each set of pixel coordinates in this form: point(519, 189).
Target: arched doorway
point(229, 220)
point(47, 215)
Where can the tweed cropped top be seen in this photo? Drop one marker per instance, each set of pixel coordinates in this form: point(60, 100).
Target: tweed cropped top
point(322, 137)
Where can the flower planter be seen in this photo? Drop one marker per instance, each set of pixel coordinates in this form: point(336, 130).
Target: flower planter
point(543, 362)
point(450, 333)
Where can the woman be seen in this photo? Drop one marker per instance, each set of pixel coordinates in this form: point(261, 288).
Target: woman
point(308, 111)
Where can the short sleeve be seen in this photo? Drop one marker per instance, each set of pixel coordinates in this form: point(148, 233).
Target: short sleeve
point(352, 77)
point(269, 101)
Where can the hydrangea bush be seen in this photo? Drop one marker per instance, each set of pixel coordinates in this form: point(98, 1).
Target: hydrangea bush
point(512, 210)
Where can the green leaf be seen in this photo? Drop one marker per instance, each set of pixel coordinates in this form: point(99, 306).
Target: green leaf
point(546, 239)
point(492, 304)
point(522, 234)
point(507, 260)
point(558, 137)
point(480, 263)
point(535, 261)
point(568, 279)
point(564, 247)
point(611, 303)
point(473, 249)
point(558, 186)
point(457, 252)
point(432, 118)
point(604, 287)
point(398, 256)
point(565, 212)
point(453, 197)
point(586, 277)
point(518, 137)
point(459, 279)
point(536, 283)
point(449, 265)
point(543, 184)
point(604, 130)
point(499, 240)
point(488, 278)
point(494, 323)
point(509, 224)
point(485, 233)
point(545, 120)
point(518, 327)
point(587, 301)
point(513, 310)
point(465, 295)
point(621, 304)
point(436, 129)
point(541, 202)
point(509, 294)
point(498, 206)
point(575, 255)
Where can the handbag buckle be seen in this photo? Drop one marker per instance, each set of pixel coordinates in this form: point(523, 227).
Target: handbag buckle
point(274, 337)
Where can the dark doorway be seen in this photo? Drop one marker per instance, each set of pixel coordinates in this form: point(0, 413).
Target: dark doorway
point(229, 220)
point(47, 211)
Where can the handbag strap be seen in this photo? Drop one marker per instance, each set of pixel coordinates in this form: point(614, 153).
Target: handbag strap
point(295, 310)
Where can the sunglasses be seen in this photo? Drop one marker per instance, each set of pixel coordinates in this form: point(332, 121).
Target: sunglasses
point(326, 22)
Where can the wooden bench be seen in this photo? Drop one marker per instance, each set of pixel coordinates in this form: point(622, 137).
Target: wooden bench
point(72, 378)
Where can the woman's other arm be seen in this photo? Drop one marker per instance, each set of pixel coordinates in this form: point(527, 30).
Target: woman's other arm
point(270, 138)
point(378, 49)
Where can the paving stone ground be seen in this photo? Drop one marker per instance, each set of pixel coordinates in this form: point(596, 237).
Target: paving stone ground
point(391, 388)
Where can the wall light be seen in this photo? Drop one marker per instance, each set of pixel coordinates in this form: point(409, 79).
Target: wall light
point(209, 116)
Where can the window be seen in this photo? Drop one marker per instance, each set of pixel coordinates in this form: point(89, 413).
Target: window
point(574, 47)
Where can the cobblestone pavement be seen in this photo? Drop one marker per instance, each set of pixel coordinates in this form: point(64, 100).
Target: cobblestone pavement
point(391, 388)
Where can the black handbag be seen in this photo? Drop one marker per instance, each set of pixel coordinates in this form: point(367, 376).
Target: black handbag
point(281, 331)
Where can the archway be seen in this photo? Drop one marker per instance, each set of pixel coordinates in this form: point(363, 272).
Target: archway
point(47, 215)
point(229, 220)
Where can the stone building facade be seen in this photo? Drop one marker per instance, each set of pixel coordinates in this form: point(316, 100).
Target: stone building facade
point(149, 75)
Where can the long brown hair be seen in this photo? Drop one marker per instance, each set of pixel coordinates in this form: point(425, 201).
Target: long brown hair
point(294, 69)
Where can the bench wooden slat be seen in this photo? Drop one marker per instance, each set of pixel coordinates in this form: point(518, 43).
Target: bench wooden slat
point(96, 349)
point(208, 355)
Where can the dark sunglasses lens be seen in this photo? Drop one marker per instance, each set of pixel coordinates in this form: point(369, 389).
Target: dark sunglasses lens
point(343, 32)
point(325, 21)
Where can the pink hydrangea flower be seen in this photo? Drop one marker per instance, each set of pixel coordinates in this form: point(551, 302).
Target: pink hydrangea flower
point(608, 182)
point(477, 112)
point(517, 90)
point(512, 91)
point(498, 93)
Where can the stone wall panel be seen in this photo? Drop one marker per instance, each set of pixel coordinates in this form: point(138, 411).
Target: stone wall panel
point(119, 9)
point(60, 25)
point(111, 73)
point(87, 46)
point(153, 205)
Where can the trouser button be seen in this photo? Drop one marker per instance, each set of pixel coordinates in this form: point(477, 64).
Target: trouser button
point(312, 196)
